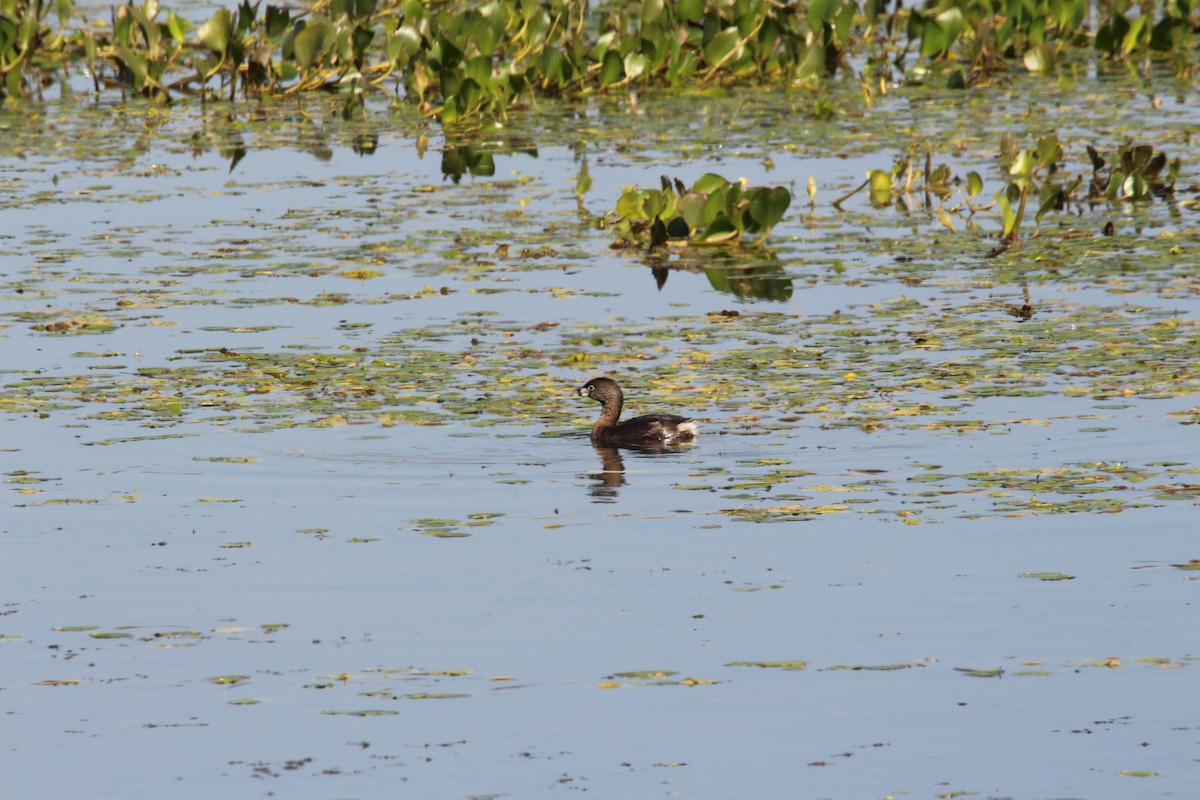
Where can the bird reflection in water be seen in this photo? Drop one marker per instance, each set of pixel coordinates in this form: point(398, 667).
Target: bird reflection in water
point(611, 476)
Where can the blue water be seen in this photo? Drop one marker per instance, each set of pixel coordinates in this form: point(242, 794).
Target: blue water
point(562, 572)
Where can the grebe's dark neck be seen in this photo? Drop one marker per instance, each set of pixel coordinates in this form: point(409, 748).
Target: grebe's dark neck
point(610, 412)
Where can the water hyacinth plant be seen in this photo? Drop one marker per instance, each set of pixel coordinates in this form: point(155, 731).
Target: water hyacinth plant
point(713, 211)
point(463, 61)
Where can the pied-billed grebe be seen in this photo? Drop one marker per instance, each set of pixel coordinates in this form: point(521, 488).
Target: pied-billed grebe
point(651, 430)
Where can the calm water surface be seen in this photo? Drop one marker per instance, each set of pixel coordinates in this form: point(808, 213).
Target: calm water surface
point(491, 607)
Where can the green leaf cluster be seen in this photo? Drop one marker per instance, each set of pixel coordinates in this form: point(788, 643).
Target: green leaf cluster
point(1135, 173)
point(463, 61)
point(713, 211)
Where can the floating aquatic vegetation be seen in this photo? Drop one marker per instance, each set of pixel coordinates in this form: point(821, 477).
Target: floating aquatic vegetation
point(713, 211)
point(875, 667)
point(228, 680)
point(980, 673)
point(176, 635)
point(1047, 576)
point(645, 675)
point(439, 528)
point(465, 63)
point(650, 678)
point(384, 694)
point(784, 665)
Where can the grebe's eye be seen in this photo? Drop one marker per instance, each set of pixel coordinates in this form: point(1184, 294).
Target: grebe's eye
point(589, 388)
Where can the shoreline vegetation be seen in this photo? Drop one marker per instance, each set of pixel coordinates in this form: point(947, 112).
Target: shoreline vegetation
point(470, 62)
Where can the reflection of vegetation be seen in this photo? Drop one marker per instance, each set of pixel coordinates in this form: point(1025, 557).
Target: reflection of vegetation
point(457, 161)
point(758, 283)
point(467, 159)
point(458, 60)
point(755, 275)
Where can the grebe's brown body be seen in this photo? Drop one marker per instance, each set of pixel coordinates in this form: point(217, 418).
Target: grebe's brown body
point(651, 430)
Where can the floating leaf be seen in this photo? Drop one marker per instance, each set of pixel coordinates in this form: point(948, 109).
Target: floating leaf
point(786, 665)
point(228, 680)
point(880, 188)
point(645, 675)
point(875, 667)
